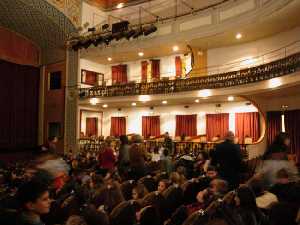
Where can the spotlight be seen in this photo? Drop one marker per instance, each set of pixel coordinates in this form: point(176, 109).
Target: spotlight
point(91, 29)
point(149, 29)
point(129, 34)
point(87, 43)
point(107, 39)
point(76, 46)
point(138, 33)
point(118, 36)
point(98, 41)
point(105, 26)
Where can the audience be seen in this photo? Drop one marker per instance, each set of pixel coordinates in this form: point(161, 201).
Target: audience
point(95, 187)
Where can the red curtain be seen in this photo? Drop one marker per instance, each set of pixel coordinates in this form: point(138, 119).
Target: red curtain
point(17, 49)
point(247, 124)
point(91, 126)
point(150, 126)
point(217, 125)
point(273, 125)
point(144, 70)
point(118, 126)
point(186, 125)
point(178, 66)
point(19, 100)
point(119, 74)
point(90, 77)
point(292, 127)
point(155, 68)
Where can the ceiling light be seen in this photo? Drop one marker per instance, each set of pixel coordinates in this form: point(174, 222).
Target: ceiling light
point(197, 100)
point(144, 98)
point(275, 82)
point(120, 5)
point(93, 101)
point(105, 106)
point(230, 98)
point(204, 93)
point(109, 58)
point(238, 36)
point(141, 54)
point(175, 48)
point(133, 104)
point(164, 102)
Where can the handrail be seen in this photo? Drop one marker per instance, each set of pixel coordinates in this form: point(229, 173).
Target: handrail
point(280, 67)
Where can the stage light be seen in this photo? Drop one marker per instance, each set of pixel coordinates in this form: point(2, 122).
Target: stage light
point(238, 36)
point(118, 36)
point(91, 29)
point(105, 26)
point(76, 46)
point(87, 43)
point(120, 5)
point(149, 29)
point(129, 34)
point(230, 98)
point(107, 39)
point(138, 33)
point(98, 41)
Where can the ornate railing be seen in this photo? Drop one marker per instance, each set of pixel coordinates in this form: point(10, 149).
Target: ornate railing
point(267, 71)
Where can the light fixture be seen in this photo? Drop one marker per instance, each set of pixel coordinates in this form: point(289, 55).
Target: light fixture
point(164, 102)
point(238, 36)
point(105, 106)
point(93, 101)
point(197, 100)
point(230, 98)
point(149, 29)
point(120, 5)
point(141, 54)
point(109, 58)
point(275, 82)
point(133, 104)
point(175, 48)
point(204, 93)
point(144, 98)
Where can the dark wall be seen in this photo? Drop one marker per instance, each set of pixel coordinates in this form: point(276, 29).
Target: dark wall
point(19, 97)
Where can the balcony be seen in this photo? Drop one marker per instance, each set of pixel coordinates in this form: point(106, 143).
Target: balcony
point(281, 64)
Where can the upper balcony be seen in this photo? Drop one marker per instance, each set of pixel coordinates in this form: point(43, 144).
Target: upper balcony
point(277, 63)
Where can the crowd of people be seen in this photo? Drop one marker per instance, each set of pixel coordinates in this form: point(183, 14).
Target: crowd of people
point(129, 185)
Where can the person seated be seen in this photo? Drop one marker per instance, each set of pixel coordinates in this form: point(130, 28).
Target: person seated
point(202, 163)
point(264, 199)
point(163, 185)
point(34, 199)
point(139, 191)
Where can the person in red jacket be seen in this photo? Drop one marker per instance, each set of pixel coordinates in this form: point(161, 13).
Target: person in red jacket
point(107, 158)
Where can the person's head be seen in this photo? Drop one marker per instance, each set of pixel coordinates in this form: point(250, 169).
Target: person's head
point(53, 139)
point(212, 172)
point(139, 191)
point(282, 176)
point(108, 141)
point(124, 139)
point(218, 187)
point(75, 220)
point(167, 134)
point(175, 178)
point(282, 139)
point(229, 136)
point(34, 197)
point(202, 156)
point(166, 152)
point(245, 198)
point(162, 185)
point(149, 216)
point(257, 186)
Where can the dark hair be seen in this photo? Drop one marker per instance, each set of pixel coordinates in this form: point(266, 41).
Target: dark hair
point(149, 216)
point(280, 138)
point(124, 139)
point(257, 186)
point(166, 152)
point(282, 173)
point(31, 191)
point(247, 198)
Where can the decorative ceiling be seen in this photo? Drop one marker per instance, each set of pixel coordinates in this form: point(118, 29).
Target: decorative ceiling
point(111, 4)
point(40, 22)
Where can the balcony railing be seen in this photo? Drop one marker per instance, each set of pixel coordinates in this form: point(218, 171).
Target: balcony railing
point(284, 64)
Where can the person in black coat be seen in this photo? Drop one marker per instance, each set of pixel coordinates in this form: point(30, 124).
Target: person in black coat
point(228, 160)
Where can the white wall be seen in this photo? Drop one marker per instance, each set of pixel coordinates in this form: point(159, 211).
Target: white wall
point(92, 15)
point(248, 51)
point(167, 116)
point(86, 114)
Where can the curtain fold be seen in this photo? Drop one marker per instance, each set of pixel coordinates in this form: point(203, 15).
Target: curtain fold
point(292, 127)
point(155, 68)
point(144, 66)
point(186, 125)
point(273, 125)
point(150, 126)
point(178, 66)
point(217, 125)
point(119, 74)
point(19, 100)
point(118, 126)
point(247, 125)
point(91, 126)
